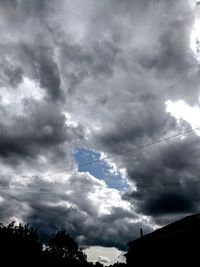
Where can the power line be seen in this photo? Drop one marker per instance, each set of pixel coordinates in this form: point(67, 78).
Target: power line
point(105, 158)
point(12, 197)
point(61, 218)
point(41, 210)
point(57, 188)
point(114, 155)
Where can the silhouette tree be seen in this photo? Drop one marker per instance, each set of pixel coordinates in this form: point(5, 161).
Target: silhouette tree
point(20, 245)
point(63, 250)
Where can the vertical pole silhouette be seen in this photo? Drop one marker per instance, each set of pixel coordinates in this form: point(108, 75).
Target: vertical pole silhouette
point(141, 232)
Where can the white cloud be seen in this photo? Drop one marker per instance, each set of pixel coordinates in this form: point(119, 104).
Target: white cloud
point(106, 256)
point(195, 39)
point(14, 99)
point(182, 111)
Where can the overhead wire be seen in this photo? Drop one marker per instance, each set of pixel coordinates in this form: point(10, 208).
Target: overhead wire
point(58, 188)
point(114, 155)
point(37, 208)
point(103, 159)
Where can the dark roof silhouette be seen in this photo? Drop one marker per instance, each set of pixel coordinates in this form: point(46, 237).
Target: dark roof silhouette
point(173, 245)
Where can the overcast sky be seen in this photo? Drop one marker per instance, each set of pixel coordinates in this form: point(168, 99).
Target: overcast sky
point(80, 80)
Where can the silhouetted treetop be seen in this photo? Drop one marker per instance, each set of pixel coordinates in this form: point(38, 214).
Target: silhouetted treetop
point(63, 249)
point(20, 246)
point(63, 240)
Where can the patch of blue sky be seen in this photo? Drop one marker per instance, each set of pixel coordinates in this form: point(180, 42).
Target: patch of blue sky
point(101, 170)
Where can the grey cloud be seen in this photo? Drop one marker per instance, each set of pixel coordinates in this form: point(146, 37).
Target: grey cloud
point(41, 127)
point(166, 178)
point(169, 203)
point(143, 123)
point(48, 73)
point(4, 180)
point(11, 75)
point(35, 62)
point(9, 210)
point(42, 68)
point(81, 62)
point(109, 230)
point(25, 9)
point(111, 67)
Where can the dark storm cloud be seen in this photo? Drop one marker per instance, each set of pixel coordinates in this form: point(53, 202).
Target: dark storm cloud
point(166, 55)
point(8, 209)
point(25, 8)
point(167, 178)
point(136, 124)
point(160, 171)
point(41, 127)
point(160, 40)
point(109, 67)
point(4, 180)
point(171, 202)
point(35, 62)
point(78, 62)
point(26, 42)
point(41, 67)
point(76, 216)
point(48, 73)
point(95, 231)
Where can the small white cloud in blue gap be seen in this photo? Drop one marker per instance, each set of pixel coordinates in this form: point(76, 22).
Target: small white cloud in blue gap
point(102, 170)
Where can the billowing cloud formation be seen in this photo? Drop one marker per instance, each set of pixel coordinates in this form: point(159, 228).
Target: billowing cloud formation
point(85, 206)
point(96, 75)
point(108, 256)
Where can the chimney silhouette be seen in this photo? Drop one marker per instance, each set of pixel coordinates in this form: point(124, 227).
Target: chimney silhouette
point(141, 232)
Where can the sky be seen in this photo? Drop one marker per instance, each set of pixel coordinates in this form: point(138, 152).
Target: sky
point(82, 80)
